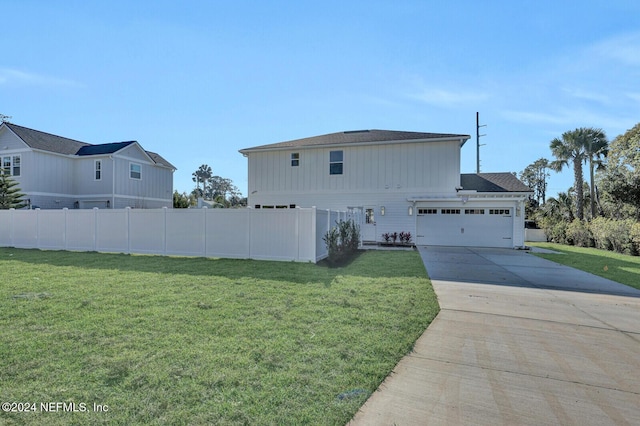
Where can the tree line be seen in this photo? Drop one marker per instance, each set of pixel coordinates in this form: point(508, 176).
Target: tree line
point(603, 212)
point(216, 190)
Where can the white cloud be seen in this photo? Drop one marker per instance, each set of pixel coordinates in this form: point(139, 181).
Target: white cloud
point(573, 118)
point(624, 49)
point(11, 76)
point(634, 96)
point(587, 95)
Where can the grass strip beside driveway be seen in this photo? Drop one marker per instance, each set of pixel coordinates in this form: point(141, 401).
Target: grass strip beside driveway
point(616, 267)
point(162, 340)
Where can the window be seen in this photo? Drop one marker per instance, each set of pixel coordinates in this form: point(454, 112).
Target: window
point(6, 165)
point(503, 212)
point(98, 170)
point(427, 211)
point(474, 211)
point(135, 171)
point(16, 165)
point(295, 159)
point(335, 162)
point(11, 165)
point(450, 211)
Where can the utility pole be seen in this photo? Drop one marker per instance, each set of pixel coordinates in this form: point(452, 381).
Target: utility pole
point(478, 135)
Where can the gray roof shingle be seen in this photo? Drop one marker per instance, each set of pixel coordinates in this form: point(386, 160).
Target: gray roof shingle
point(492, 182)
point(356, 137)
point(60, 145)
point(46, 141)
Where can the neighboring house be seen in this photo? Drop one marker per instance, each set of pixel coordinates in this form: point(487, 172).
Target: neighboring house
point(399, 181)
point(56, 172)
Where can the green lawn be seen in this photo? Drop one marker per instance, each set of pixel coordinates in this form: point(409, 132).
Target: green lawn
point(614, 266)
point(190, 341)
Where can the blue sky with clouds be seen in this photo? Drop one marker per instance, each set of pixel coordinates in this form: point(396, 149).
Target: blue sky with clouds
point(198, 80)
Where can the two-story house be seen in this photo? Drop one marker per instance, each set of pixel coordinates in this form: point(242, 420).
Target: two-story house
point(56, 172)
point(399, 181)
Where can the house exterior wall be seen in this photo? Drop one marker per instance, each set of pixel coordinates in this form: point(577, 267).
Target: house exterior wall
point(46, 175)
point(154, 189)
point(432, 167)
point(397, 178)
point(84, 179)
point(374, 176)
point(52, 181)
point(9, 141)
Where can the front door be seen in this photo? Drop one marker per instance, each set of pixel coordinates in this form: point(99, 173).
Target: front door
point(369, 224)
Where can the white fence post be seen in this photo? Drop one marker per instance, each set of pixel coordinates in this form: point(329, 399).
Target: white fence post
point(204, 230)
point(12, 226)
point(38, 228)
point(64, 230)
point(164, 237)
point(128, 210)
point(95, 229)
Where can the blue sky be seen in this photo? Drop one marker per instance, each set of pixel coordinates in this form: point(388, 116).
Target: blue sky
point(198, 80)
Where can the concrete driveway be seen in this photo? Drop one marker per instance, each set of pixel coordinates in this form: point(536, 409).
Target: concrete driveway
point(518, 341)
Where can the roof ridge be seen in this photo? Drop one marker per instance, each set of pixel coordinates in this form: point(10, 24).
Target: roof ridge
point(372, 136)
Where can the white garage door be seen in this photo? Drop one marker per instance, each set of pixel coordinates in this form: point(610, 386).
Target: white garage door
point(472, 227)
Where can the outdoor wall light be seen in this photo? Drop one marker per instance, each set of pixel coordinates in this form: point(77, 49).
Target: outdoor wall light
point(382, 211)
point(410, 210)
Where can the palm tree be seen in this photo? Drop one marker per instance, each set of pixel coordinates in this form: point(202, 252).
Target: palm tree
point(597, 148)
point(203, 174)
point(578, 146)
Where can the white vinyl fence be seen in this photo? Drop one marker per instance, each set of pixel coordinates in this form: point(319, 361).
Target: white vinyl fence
point(266, 234)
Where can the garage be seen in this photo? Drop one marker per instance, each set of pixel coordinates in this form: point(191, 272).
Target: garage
point(465, 226)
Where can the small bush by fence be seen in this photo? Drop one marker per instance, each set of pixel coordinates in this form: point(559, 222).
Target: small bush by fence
point(342, 241)
point(278, 234)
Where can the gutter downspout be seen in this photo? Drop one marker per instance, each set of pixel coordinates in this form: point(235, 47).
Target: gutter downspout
point(113, 182)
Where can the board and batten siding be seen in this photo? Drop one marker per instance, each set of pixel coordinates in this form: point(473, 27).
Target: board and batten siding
point(85, 181)
point(155, 183)
point(428, 167)
point(49, 173)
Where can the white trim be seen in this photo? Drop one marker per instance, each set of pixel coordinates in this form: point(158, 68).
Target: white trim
point(77, 197)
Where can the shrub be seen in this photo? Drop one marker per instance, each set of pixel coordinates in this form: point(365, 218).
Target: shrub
point(342, 241)
point(635, 238)
point(614, 234)
point(598, 228)
point(405, 237)
point(331, 239)
point(578, 234)
point(620, 235)
point(556, 232)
